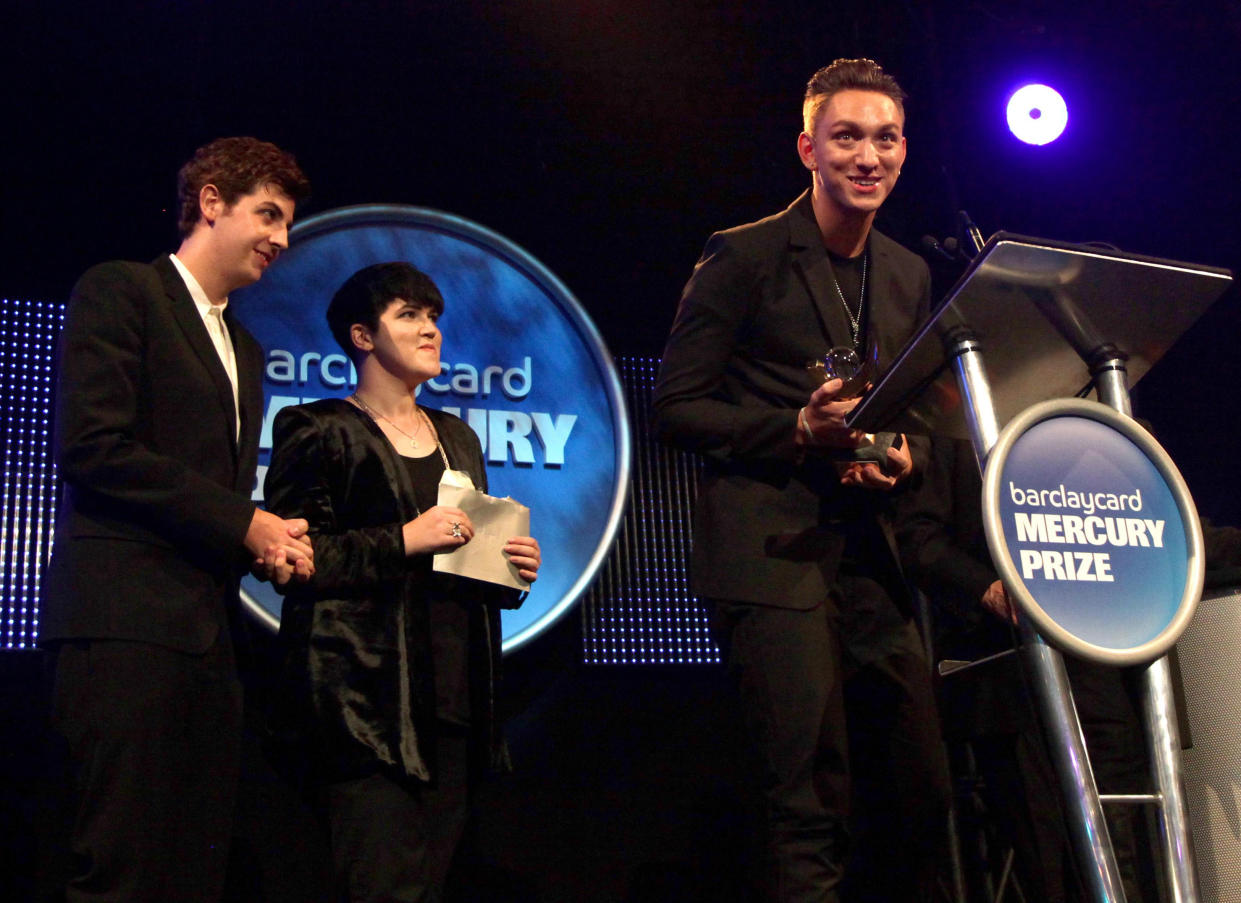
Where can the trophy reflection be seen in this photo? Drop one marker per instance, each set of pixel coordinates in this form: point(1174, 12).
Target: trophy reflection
point(848, 366)
point(856, 374)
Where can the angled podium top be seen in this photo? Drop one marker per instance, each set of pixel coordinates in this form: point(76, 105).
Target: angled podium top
point(1040, 310)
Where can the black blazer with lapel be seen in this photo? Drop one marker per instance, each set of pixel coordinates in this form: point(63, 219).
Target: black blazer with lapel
point(157, 486)
point(760, 305)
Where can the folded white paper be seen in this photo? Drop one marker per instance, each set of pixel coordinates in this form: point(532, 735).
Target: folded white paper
point(495, 521)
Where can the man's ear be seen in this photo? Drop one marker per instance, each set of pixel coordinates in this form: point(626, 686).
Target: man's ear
point(210, 203)
point(805, 150)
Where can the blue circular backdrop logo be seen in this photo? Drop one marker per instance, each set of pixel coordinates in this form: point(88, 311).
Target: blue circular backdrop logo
point(1101, 548)
point(522, 364)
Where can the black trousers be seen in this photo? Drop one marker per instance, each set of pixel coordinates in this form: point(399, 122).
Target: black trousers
point(838, 703)
point(155, 739)
point(393, 838)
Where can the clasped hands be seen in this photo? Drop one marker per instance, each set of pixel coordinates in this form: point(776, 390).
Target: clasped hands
point(821, 423)
point(282, 551)
point(444, 528)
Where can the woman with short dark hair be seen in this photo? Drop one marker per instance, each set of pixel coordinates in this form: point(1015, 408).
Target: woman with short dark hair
point(390, 668)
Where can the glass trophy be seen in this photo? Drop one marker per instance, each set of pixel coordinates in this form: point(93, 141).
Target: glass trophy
point(848, 366)
point(856, 374)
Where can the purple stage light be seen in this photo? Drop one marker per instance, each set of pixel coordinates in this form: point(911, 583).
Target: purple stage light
point(1037, 114)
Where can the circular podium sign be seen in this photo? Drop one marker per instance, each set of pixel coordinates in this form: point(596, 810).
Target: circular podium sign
point(1093, 531)
point(522, 364)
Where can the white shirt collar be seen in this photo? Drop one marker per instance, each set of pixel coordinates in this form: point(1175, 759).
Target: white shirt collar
point(201, 301)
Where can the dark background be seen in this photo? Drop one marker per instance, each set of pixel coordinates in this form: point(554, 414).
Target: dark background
point(609, 138)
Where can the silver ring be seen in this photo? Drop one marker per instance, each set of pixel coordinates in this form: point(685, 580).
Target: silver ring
point(456, 529)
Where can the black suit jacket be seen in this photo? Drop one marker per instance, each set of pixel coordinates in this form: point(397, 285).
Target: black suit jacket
point(157, 487)
point(770, 524)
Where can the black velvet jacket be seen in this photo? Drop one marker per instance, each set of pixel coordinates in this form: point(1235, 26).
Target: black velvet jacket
point(359, 685)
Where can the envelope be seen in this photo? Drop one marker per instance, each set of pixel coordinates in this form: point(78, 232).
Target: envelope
point(495, 521)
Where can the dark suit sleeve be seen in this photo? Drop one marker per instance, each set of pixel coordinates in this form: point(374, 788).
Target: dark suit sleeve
point(1222, 546)
point(939, 532)
point(100, 413)
point(306, 478)
point(920, 446)
point(691, 408)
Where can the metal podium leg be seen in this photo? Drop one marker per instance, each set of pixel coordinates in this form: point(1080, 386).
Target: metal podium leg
point(980, 416)
point(1164, 740)
point(1087, 827)
point(1111, 384)
point(1091, 841)
point(1163, 737)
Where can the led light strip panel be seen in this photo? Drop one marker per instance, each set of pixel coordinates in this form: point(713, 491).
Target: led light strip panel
point(28, 331)
point(640, 611)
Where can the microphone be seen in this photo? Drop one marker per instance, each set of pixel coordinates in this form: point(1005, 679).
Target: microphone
point(949, 248)
point(931, 243)
point(971, 230)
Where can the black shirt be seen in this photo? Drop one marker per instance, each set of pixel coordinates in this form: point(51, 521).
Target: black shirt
point(450, 619)
point(848, 274)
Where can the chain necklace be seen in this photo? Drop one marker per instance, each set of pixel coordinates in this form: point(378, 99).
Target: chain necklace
point(855, 320)
point(412, 440)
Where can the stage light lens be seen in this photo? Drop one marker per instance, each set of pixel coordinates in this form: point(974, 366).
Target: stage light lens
point(1037, 114)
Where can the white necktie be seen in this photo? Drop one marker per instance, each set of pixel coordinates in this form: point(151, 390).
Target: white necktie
point(224, 347)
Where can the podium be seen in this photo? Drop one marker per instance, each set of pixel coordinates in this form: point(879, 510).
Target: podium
point(1030, 321)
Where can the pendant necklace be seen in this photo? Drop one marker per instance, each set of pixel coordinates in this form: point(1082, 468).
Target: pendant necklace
point(375, 414)
point(855, 321)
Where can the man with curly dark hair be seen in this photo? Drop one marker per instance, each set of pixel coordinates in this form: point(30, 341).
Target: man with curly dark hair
point(159, 404)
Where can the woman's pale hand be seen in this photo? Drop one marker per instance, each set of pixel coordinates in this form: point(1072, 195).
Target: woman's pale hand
point(438, 529)
point(523, 552)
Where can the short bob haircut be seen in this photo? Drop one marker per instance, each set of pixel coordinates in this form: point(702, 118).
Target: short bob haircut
point(236, 166)
point(370, 291)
